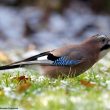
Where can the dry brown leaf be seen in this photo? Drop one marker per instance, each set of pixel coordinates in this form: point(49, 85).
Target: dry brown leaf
point(23, 87)
point(24, 83)
point(87, 83)
point(21, 78)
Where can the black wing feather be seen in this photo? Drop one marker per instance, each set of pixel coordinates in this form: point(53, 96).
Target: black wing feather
point(33, 58)
point(37, 56)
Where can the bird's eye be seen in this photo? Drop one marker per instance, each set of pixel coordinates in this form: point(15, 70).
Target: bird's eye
point(103, 40)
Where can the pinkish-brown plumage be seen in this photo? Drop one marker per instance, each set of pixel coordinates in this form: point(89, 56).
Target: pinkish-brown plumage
point(83, 52)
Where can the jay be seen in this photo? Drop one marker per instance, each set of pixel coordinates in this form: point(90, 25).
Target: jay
point(68, 61)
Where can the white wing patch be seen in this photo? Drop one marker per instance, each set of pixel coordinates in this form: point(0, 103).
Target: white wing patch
point(42, 58)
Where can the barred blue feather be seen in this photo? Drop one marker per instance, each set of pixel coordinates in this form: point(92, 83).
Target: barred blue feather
point(64, 61)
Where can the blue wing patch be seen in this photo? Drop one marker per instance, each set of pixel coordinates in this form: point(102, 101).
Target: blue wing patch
point(64, 61)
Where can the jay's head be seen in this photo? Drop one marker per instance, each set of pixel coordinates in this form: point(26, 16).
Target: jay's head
point(100, 43)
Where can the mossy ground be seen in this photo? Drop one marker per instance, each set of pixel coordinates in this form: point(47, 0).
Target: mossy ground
point(27, 90)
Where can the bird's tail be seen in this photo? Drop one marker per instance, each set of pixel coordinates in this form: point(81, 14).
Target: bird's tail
point(11, 67)
point(32, 61)
point(25, 64)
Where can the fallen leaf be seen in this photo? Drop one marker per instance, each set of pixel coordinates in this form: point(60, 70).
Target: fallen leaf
point(21, 78)
point(23, 87)
point(87, 83)
point(24, 83)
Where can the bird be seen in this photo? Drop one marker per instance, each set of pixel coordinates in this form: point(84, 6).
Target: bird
point(67, 61)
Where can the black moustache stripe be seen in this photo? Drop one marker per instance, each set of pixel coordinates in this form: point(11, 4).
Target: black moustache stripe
point(105, 47)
